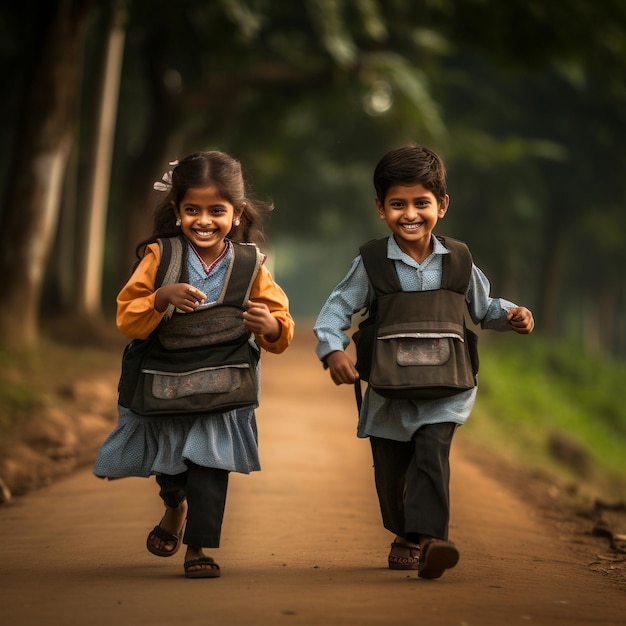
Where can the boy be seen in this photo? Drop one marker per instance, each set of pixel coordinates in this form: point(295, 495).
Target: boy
point(411, 437)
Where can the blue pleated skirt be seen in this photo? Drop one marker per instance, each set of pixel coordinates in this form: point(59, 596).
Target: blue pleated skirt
point(142, 446)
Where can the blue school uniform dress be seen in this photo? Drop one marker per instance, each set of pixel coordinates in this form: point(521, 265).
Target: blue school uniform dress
point(142, 446)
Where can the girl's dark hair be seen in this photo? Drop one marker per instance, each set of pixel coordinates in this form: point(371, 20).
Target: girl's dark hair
point(407, 165)
point(214, 169)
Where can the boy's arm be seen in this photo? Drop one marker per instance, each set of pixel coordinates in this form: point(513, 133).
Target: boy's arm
point(335, 318)
point(521, 320)
point(341, 368)
point(495, 313)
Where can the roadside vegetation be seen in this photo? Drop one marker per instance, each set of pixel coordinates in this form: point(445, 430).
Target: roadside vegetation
point(543, 404)
point(554, 409)
point(33, 379)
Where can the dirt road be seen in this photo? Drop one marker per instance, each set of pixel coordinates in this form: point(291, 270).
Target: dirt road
point(302, 541)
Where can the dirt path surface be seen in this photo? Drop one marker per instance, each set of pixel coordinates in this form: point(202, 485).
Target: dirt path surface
point(302, 540)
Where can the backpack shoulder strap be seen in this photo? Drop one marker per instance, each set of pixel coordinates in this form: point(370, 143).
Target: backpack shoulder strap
point(380, 270)
point(173, 256)
point(240, 275)
point(171, 266)
point(457, 266)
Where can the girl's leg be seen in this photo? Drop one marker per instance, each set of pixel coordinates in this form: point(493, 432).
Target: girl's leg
point(173, 489)
point(164, 540)
point(206, 496)
point(427, 502)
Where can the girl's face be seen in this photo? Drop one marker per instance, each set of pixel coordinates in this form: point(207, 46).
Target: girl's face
point(411, 212)
point(206, 219)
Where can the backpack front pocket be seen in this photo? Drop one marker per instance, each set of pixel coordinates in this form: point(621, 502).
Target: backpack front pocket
point(420, 365)
point(426, 351)
point(204, 380)
point(210, 380)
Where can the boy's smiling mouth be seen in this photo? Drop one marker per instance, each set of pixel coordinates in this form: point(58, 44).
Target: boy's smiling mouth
point(412, 226)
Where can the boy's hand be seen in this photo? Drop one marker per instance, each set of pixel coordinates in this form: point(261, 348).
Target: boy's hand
point(182, 295)
point(258, 320)
point(342, 370)
point(521, 320)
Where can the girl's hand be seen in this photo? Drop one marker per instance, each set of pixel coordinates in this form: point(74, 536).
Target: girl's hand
point(521, 320)
point(182, 295)
point(341, 368)
point(258, 320)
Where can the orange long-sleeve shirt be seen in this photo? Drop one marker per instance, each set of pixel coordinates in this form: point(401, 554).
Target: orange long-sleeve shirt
point(137, 317)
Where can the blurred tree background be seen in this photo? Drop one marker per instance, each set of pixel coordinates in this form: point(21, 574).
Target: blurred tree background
point(524, 99)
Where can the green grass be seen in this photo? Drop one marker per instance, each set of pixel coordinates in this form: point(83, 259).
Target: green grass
point(532, 389)
point(30, 380)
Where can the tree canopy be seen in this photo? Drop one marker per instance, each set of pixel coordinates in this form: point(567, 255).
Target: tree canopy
point(525, 101)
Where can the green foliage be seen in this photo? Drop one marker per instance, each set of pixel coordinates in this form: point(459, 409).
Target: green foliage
point(533, 389)
point(42, 377)
point(17, 401)
point(524, 100)
point(19, 393)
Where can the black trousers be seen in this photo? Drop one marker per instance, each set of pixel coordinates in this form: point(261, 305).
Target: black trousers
point(413, 481)
point(205, 490)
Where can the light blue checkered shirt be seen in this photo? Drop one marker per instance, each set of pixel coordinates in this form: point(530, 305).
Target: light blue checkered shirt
point(399, 419)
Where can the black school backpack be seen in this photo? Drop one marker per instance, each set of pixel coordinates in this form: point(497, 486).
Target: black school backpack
point(198, 362)
point(415, 344)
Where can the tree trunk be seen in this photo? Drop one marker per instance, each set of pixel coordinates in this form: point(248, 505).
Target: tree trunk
point(150, 162)
point(91, 242)
point(35, 185)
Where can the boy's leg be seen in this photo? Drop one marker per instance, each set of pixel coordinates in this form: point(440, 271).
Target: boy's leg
point(391, 461)
point(427, 502)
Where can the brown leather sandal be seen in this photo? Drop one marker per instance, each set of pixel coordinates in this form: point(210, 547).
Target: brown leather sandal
point(208, 568)
point(163, 535)
point(404, 556)
point(437, 556)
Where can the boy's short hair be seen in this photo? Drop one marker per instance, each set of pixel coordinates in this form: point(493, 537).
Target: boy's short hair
point(408, 165)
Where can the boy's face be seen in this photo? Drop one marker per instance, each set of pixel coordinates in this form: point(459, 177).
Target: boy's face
point(411, 212)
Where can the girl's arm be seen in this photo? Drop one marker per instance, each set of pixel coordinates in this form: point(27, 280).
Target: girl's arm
point(137, 314)
point(140, 308)
point(268, 314)
point(183, 296)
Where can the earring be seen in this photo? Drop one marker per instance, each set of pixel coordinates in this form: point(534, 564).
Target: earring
point(178, 222)
point(236, 221)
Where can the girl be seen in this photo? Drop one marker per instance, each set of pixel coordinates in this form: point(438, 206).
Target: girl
point(191, 455)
